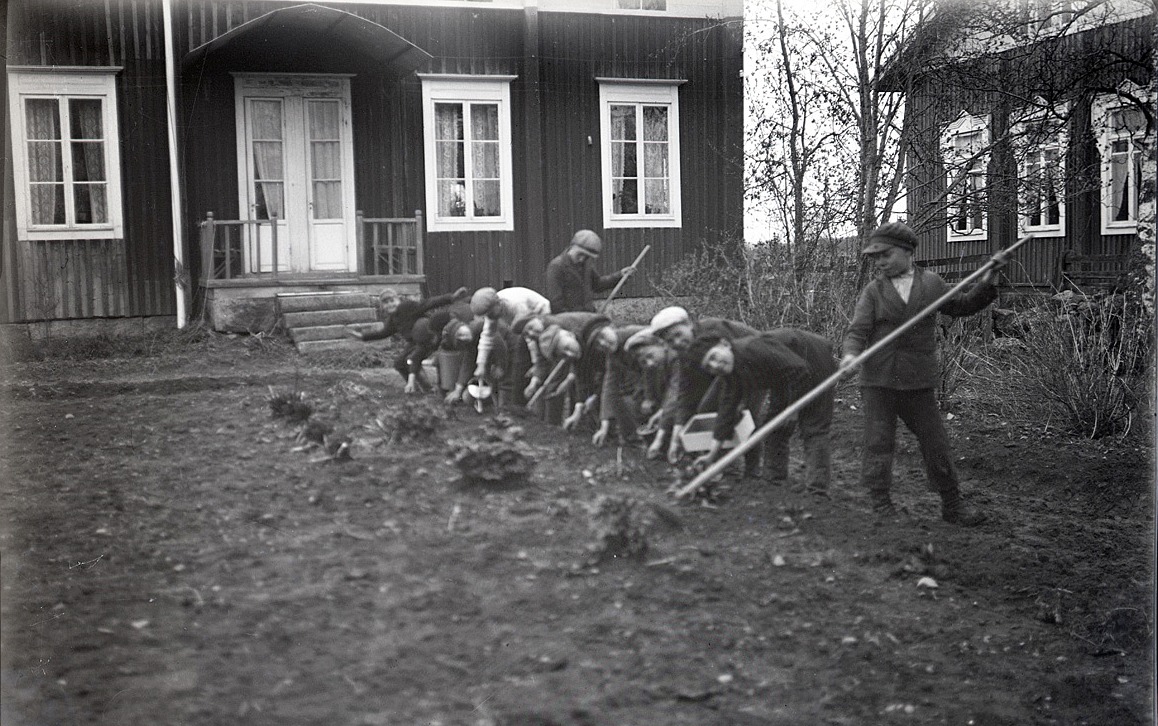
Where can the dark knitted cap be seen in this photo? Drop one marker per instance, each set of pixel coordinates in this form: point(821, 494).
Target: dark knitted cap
point(700, 347)
point(891, 234)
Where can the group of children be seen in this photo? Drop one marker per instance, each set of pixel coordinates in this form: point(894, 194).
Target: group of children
point(650, 380)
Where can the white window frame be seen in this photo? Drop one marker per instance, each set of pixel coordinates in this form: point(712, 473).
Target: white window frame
point(467, 89)
point(618, 5)
point(61, 84)
point(1035, 133)
point(1103, 107)
point(977, 155)
point(641, 92)
point(1049, 16)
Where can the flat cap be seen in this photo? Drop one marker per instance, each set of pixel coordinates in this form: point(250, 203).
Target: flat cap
point(587, 241)
point(483, 300)
point(642, 339)
point(891, 234)
point(666, 318)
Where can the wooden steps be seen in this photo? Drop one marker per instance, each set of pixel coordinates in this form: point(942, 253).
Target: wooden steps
point(321, 321)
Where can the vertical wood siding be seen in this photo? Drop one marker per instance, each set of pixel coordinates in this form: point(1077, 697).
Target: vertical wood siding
point(133, 276)
point(707, 55)
point(62, 279)
point(572, 50)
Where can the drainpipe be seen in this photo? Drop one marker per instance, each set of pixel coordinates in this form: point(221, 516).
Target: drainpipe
point(180, 273)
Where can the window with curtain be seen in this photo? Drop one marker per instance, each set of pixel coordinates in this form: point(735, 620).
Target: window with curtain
point(1120, 125)
point(325, 158)
point(1123, 166)
point(965, 153)
point(1038, 138)
point(640, 142)
point(65, 152)
point(1043, 177)
point(468, 153)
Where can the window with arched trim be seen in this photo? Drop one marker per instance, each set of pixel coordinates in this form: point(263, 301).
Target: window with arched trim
point(965, 154)
point(1038, 138)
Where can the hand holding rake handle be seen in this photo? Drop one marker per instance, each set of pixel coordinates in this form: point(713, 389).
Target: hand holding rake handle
point(550, 379)
point(614, 290)
point(997, 261)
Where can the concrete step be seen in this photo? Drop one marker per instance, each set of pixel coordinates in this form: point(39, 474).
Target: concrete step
point(325, 346)
point(343, 316)
point(330, 332)
point(297, 302)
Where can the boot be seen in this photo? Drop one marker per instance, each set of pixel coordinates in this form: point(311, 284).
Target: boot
point(955, 511)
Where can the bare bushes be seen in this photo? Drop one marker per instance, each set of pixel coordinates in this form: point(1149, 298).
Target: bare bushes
point(1089, 359)
point(769, 285)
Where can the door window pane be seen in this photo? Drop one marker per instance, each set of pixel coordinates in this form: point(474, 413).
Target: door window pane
point(325, 159)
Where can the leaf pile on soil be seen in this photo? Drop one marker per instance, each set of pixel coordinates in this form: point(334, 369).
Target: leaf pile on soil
point(496, 456)
point(622, 527)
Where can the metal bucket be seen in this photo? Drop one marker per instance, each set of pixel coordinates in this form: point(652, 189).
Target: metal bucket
point(448, 367)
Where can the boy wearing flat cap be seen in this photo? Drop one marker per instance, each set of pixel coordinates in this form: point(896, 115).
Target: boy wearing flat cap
point(690, 385)
point(507, 306)
point(786, 363)
point(900, 380)
point(572, 282)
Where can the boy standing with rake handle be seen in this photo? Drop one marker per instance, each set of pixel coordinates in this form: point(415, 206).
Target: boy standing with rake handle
point(901, 380)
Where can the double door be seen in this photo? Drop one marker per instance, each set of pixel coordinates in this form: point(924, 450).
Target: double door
point(296, 165)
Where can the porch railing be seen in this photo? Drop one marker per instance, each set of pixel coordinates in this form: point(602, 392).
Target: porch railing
point(224, 243)
point(231, 248)
point(390, 245)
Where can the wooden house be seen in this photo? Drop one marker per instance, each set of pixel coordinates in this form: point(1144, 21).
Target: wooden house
point(187, 157)
point(1030, 118)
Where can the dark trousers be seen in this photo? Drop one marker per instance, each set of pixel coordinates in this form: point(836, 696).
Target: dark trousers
point(918, 409)
point(706, 397)
point(814, 422)
point(410, 359)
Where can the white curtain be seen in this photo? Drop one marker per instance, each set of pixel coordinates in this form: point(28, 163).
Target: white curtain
point(326, 159)
point(90, 190)
point(45, 170)
point(267, 158)
point(450, 159)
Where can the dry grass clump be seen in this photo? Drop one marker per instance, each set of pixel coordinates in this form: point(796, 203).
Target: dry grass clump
point(290, 406)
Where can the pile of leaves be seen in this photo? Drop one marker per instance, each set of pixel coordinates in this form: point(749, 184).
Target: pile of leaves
point(412, 420)
point(498, 456)
point(622, 527)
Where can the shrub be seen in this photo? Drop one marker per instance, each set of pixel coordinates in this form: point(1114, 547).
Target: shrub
point(1088, 357)
point(768, 285)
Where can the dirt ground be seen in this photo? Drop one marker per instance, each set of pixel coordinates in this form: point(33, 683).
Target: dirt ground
point(170, 558)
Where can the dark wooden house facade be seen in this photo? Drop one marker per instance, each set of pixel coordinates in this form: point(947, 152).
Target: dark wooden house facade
point(1030, 122)
point(170, 154)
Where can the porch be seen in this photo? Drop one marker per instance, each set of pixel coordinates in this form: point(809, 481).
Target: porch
point(245, 271)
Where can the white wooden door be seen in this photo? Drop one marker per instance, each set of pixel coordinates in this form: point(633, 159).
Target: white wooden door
point(296, 142)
